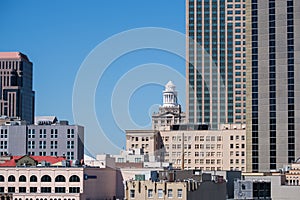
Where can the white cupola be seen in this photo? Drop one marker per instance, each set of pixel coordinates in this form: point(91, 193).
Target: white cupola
point(170, 95)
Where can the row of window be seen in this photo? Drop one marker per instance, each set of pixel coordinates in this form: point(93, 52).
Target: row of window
point(10, 64)
point(45, 178)
point(197, 161)
point(160, 193)
point(197, 154)
point(196, 138)
point(54, 133)
point(197, 146)
point(42, 190)
point(237, 146)
point(53, 144)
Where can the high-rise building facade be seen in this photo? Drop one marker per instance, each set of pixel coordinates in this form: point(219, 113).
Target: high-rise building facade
point(16, 94)
point(216, 65)
point(273, 83)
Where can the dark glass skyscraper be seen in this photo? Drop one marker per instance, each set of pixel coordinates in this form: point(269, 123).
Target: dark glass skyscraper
point(273, 83)
point(216, 67)
point(16, 94)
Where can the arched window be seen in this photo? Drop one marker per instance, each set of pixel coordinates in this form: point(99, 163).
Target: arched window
point(1, 178)
point(74, 178)
point(60, 178)
point(46, 178)
point(22, 178)
point(11, 178)
point(33, 178)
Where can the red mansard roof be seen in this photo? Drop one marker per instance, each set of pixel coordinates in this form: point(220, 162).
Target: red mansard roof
point(50, 159)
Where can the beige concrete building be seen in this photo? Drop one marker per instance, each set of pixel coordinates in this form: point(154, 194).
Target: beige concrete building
point(223, 149)
point(186, 190)
point(148, 140)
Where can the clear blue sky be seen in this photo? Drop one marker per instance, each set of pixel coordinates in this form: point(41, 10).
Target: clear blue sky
point(58, 35)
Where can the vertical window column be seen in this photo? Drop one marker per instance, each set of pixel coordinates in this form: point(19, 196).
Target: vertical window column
point(254, 86)
point(291, 79)
point(272, 83)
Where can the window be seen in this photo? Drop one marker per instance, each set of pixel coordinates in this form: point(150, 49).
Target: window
point(170, 193)
point(22, 189)
point(42, 144)
point(11, 189)
point(42, 133)
point(31, 133)
point(132, 194)
point(179, 193)
point(74, 189)
point(202, 138)
point(71, 134)
point(31, 144)
point(70, 144)
point(60, 190)
point(53, 144)
point(60, 178)
point(22, 178)
point(70, 155)
point(46, 178)
point(54, 133)
point(45, 189)
point(74, 178)
point(11, 178)
point(3, 145)
point(33, 189)
point(150, 193)
point(160, 193)
point(1, 178)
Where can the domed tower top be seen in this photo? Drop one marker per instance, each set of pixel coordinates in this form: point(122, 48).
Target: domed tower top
point(170, 95)
point(170, 86)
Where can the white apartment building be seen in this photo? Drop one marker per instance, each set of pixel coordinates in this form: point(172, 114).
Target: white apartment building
point(58, 183)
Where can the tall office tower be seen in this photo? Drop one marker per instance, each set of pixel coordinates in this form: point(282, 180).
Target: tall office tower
point(273, 83)
point(16, 95)
point(216, 71)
